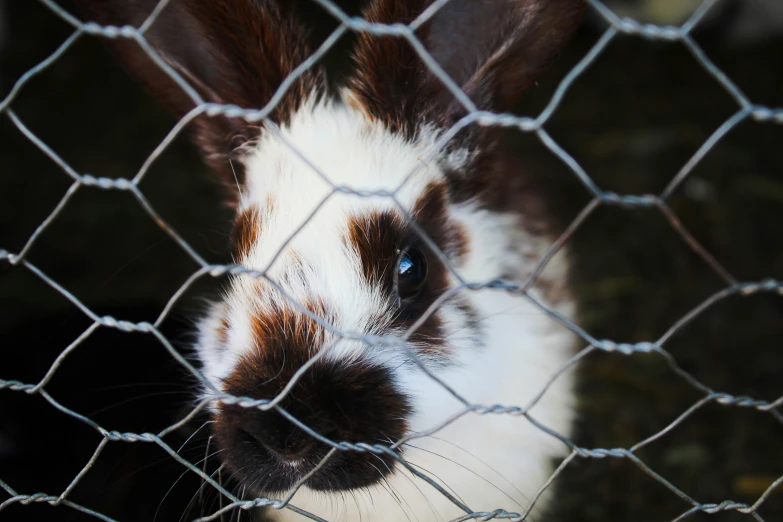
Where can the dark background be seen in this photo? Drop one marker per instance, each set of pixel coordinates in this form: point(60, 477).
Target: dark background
point(633, 119)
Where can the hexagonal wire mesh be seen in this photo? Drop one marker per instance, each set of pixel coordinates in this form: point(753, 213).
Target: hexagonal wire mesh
point(746, 110)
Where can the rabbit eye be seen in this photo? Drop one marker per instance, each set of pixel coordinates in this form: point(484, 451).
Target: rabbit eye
point(411, 272)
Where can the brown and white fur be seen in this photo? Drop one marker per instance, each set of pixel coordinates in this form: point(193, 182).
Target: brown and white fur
point(471, 198)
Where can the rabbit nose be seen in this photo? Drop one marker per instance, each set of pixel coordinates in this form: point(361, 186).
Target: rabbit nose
point(356, 403)
point(279, 436)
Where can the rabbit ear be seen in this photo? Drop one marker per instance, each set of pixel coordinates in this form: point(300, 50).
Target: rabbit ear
point(230, 51)
point(492, 49)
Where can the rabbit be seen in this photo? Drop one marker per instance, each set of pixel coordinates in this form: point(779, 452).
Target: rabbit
point(358, 262)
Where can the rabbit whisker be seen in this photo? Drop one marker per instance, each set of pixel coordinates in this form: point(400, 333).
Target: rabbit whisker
point(236, 179)
point(393, 492)
point(482, 462)
point(199, 494)
point(489, 316)
point(177, 481)
point(241, 497)
point(356, 502)
point(194, 434)
point(466, 469)
point(203, 482)
point(425, 497)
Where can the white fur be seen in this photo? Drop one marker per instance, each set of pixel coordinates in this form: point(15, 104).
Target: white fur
point(499, 461)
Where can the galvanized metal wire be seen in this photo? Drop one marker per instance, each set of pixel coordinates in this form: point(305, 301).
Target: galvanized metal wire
point(680, 35)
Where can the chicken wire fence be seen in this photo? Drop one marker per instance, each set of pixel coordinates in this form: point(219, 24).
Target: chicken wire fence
point(681, 35)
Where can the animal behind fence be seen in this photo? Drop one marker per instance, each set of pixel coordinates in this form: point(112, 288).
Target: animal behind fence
point(396, 337)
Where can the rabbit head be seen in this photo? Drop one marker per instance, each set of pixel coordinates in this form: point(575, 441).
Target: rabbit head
point(364, 209)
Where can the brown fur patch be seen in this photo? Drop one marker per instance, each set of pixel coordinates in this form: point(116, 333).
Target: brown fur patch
point(389, 80)
point(222, 333)
point(259, 44)
point(290, 326)
point(431, 212)
point(271, 203)
point(379, 237)
point(281, 335)
point(245, 233)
